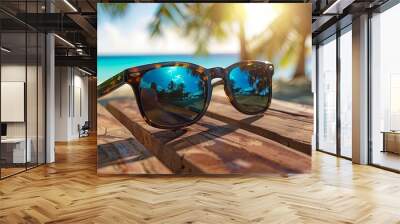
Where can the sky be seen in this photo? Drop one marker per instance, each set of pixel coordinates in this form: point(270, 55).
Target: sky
point(128, 34)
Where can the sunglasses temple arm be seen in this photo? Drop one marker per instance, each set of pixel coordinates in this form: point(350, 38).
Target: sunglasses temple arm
point(111, 84)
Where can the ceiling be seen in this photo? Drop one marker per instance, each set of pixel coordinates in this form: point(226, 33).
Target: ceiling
point(74, 22)
point(331, 15)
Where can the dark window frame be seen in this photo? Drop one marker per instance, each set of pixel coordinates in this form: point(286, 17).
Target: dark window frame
point(347, 27)
point(30, 29)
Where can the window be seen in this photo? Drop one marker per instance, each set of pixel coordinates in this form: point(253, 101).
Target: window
point(385, 89)
point(327, 96)
point(346, 93)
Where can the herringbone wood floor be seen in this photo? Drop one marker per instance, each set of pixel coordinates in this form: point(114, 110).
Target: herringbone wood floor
point(69, 191)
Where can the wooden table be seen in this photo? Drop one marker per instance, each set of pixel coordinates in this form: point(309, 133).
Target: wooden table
point(222, 142)
point(391, 141)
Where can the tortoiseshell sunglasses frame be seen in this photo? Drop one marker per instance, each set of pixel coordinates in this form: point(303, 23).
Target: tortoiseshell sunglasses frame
point(133, 76)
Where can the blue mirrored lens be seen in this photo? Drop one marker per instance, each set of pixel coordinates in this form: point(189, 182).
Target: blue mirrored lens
point(250, 87)
point(172, 95)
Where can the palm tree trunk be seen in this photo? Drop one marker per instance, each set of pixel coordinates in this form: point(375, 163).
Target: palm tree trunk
point(300, 69)
point(244, 55)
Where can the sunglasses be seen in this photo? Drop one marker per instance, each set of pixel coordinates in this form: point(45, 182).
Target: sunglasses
point(173, 95)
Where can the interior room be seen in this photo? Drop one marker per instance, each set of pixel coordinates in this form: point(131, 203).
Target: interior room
point(72, 105)
point(385, 87)
point(29, 100)
point(49, 110)
point(335, 89)
point(22, 99)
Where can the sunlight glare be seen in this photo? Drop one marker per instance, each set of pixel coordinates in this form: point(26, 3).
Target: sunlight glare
point(258, 17)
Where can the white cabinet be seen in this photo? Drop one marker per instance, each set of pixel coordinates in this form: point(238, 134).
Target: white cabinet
point(18, 149)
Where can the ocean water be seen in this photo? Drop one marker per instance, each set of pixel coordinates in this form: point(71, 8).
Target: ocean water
point(108, 66)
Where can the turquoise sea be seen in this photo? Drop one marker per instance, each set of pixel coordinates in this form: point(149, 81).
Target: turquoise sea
point(107, 66)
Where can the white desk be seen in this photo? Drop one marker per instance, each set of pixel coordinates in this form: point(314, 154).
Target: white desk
point(19, 155)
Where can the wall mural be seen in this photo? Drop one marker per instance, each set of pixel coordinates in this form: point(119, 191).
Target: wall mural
point(216, 88)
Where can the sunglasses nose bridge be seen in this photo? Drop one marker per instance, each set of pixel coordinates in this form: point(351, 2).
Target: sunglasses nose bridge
point(217, 72)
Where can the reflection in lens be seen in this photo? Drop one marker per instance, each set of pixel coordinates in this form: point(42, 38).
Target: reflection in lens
point(172, 95)
point(250, 86)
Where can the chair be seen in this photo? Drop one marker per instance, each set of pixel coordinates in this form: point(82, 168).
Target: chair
point(84, 130)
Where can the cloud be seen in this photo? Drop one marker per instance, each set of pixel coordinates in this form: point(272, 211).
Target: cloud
point(112, 40)
point(125, 36)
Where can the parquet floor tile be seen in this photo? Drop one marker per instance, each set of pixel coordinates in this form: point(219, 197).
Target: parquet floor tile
point(69, 191)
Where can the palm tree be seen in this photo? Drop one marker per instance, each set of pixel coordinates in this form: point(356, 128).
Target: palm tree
point(114, 9)
point(290, 31)
point(201, 22)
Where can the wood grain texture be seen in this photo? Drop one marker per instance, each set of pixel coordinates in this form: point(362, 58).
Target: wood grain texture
point(224, 141)
point(287, 123)
point(119, 152)
point(69, 191)
point(211, 146)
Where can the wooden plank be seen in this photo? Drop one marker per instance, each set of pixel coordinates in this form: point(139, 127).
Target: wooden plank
point(119, 152)
point(211, 146)
point(285, 125)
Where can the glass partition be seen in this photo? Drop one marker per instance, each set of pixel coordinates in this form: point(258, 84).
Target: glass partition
point(346, 93)
point(22, 101)
point(13, 114)
point(327, 96)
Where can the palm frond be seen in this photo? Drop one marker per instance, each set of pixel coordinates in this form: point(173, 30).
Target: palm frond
point(114, 9)
point(289, 55)
point(166, 14)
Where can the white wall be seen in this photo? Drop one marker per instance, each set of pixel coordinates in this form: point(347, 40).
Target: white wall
point(61, 103)
point(12, 73)
point(71, 102)
point(9, 73)
point(80, 110)
point(33, 126)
